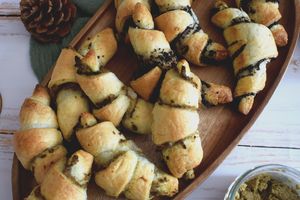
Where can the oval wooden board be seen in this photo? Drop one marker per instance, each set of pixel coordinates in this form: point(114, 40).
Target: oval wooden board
point(221, 127)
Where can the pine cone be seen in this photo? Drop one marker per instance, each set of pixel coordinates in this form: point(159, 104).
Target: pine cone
point(48, 20)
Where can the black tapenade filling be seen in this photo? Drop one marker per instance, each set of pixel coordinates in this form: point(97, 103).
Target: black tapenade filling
point(106, 101)
point(176, 43)
point(239, 20)
point(238, 52)
point(204, 87)
point(159, 57)
point(83, 69)
point(130, 23)
point(189, 10)
point(208, 56)
point(250, 70)
point(273, 24)
point(245, 5)
point(238, 99)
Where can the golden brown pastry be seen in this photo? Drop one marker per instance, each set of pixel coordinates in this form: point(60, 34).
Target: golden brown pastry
point(70, 103)
point(266, 13)
point(38, 144)
point(138, 117)
point(124, 168)
point(125, 11)
point(213, 94)
point(181, 28)
point(176, 120)
point(110, 96)
point(145, 85)
point(70, 100)
point(251, 47)
point(64, 69)
point(97, 51)
point(151, 47)
point(66, 180)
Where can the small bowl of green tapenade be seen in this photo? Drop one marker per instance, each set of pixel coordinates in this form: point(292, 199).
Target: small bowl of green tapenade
point(267, 182)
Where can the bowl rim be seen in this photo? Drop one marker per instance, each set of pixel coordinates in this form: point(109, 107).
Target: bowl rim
point(240, 179)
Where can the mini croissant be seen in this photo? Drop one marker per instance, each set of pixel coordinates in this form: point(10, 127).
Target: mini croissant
point(176, 120)
point(38, 143)
point(181, 28)
point(251, 47)
point(70, 100)
point(152, 49)
point(113, 100)
point(66, 180)
point(124, 169)
point(266, 13)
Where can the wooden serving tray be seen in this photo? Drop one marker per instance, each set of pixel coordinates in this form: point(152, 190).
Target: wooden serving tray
point(221, 127)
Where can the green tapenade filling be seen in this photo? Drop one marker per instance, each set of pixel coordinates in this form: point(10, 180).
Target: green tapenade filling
point(265, 187)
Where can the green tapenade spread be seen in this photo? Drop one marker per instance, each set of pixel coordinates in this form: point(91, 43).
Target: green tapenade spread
point(265, 187)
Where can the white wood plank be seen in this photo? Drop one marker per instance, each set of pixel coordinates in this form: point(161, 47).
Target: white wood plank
point(9, 7)
point(16, 77)
point(279, 124)
point(240, 160)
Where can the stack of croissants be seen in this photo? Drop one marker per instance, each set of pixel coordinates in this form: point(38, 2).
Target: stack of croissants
point(68, 130)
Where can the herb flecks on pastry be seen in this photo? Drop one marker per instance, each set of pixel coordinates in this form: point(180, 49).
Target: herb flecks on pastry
point(214, 94)
point(251, 47)
point(266, 13)
point(176, 120)
point(67, 179)
point(124, 169)
point(181, 27)
point(151, 46)
point(96, 52)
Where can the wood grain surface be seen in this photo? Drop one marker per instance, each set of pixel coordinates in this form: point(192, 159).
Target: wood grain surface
point(216, 122)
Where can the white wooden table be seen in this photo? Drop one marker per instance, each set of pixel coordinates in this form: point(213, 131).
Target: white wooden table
point(274, 138)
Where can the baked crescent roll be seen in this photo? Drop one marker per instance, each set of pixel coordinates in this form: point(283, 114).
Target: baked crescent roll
point(251, 47)
point(124, 167)
point(124, 14)
point(38, 143)
point(152, 49)
point(36, 111)
point(266, 13)
point(176, 120)
point(102, 87)
point(181, 28)
point(184, 155)
point(66, 180)
point(70, 100)
point(70, 103)
point(64, 69)
point(97, 51)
